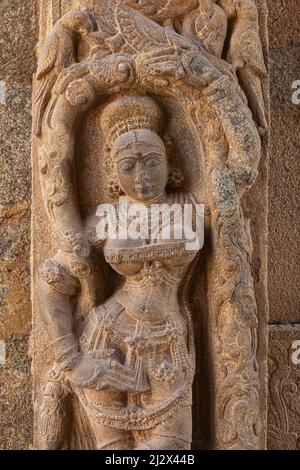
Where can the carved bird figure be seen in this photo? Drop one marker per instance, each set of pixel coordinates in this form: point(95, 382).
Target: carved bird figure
point(142, 34)
point(97, 40)
point(246, 56)
point(211, 26)
point(161, 10)
point(57, 54)
point(201, 19)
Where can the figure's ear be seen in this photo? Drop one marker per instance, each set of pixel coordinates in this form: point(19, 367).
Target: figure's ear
point(113, 188)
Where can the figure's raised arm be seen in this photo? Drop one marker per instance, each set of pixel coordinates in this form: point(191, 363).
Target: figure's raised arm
point(202, 84)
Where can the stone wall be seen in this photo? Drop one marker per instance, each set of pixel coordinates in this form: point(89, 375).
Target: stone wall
point(17, 46)
point(18, 38)
point(284, 215)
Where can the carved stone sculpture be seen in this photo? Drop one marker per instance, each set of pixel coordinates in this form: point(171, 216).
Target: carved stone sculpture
point(178, 125)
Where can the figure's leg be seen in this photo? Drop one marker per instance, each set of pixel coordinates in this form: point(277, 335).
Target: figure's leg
point(174, 434)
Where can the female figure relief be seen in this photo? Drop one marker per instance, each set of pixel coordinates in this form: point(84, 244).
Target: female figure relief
point(132, 366)
point(124, 364)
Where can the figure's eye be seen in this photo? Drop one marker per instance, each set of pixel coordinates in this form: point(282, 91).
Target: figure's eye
point(127, 166)
point(153, 162)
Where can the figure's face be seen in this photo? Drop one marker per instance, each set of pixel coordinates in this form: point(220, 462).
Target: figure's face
point(141, 164)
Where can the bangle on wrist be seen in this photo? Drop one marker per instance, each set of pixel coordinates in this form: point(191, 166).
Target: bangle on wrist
point(66, 351)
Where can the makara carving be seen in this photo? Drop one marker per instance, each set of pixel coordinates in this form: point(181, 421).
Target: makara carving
point(122, 347)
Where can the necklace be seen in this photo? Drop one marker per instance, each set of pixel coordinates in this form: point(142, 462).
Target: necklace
point(146, 221)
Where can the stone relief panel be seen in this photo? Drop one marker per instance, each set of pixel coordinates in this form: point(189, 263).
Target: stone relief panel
point(284, 388)
point(146, 103)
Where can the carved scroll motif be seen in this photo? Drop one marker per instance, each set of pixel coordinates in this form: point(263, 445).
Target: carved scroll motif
point(183, 51)
point(284, 389)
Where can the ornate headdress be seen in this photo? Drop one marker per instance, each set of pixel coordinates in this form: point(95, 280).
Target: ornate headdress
point(130, 113)
point(125, 114)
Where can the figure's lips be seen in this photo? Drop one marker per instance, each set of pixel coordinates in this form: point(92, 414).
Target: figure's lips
point(143, 188)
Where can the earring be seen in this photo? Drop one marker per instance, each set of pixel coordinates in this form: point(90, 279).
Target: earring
point(176, 179)
point(113, 189)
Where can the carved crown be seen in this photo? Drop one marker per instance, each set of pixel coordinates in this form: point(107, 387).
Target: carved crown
point(129, 113)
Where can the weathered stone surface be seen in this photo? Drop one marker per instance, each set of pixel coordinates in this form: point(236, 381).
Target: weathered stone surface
point(284, 168)
point(16, 426)
point(15, 201)
point(17, 45)
point(283, 223)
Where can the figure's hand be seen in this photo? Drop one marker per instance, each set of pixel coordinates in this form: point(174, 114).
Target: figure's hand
point(177, 64)
point(161, 62)
point(99, 374)
point(113, 70)
point(69, 75)
point(87, 371)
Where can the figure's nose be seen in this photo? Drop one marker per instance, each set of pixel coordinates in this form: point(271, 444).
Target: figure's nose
point(141, 173)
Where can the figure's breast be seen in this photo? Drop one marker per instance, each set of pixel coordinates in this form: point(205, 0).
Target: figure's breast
point(153, 274)
point(129, 257)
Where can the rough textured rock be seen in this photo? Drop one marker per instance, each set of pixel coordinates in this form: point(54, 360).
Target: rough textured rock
point(17, 44)
point(16, 427)
point(284, 167)
point(283, 222)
